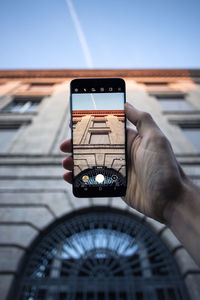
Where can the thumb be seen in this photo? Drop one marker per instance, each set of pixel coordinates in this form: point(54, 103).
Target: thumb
point(142, 120)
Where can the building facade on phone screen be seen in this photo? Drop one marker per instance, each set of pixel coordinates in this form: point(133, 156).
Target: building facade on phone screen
point(99, 145)
point(56, 246)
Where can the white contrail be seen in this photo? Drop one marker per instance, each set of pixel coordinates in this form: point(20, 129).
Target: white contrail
point(80, 34)
point(92, 96)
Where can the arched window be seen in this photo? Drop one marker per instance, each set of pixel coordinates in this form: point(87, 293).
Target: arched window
point(99, 253)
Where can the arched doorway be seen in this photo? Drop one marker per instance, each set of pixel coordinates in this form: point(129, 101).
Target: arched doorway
point(99, 253)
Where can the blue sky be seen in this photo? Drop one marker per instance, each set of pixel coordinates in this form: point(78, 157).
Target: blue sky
point(119, 34)
point(98, 101)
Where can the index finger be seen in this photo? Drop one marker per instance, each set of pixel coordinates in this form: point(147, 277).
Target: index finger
point(66, 146)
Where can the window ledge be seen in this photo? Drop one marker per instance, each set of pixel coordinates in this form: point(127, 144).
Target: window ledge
point(100, 146)
point(99, 130)
point(181, 112)
point(170, 93)
point(183, 121)
point(17, 114)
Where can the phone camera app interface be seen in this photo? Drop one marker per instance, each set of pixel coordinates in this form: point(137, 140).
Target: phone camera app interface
point(98, 138)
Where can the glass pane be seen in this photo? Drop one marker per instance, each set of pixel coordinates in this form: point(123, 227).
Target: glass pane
point(41, 86)
point(23, 105)
point(193, 134)
point(97, 247)
point(99, 139)
point(99, 124)
point(16, 107)
point(32, 108)
point(8, 107)
point(6, 136)
point(155, 83)
point(175, 104)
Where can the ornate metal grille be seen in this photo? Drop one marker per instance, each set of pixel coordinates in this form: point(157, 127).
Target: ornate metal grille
point(111, 177)
point(99, 254)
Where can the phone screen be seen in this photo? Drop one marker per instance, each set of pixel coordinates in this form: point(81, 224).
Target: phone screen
point(98, 137)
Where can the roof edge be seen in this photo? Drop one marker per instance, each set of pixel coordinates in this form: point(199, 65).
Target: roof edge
point(69, 73)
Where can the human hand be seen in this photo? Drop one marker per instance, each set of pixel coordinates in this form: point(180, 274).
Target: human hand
point(157, 186)
point(154, 176)
point(67, 163)
point(155, 179)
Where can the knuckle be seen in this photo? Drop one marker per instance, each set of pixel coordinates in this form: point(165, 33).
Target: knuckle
point(63, 163)
point(145, 116)
point(161, 140)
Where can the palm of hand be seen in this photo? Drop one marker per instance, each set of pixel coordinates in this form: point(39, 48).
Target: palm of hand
point(154, 176)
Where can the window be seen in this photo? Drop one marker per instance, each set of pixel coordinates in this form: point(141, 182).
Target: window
point(22, 105)
point(7, 133)
point(159, 86)
point(99, 124)
point(174, 103)
point(152, 84)
point(99, 138)
point(99, 254)
point(192, 132)
point(74, 124)
point(41, 85)
point(99, 119)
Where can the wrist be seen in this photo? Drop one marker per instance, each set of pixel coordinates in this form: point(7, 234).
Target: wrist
point(177, 207)
point(182, 217)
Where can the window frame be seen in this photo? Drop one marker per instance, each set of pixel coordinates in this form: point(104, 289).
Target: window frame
point(190, 125)
point(98, 122)
point(152, 83)
point(108, 220)
point(9, 126)
point(174, 97)
point(7, 109)
point(105, 133)
point(34, 86)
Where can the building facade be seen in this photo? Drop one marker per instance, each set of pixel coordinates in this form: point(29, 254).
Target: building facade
point(56, 246)
point(99, 140)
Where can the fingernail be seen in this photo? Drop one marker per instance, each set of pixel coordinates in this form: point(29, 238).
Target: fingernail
point(129, 104)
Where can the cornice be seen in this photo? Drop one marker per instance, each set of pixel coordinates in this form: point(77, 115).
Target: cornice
point(71, 73)
point(81, 113)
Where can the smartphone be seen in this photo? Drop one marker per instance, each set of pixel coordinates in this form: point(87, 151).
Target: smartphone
point(98, 126)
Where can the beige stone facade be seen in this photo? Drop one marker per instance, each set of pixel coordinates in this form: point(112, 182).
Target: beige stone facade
point(33, 194)
point(107, 148)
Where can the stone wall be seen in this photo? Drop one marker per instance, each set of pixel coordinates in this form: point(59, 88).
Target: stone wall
point(33, 194)
point(87, 155)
